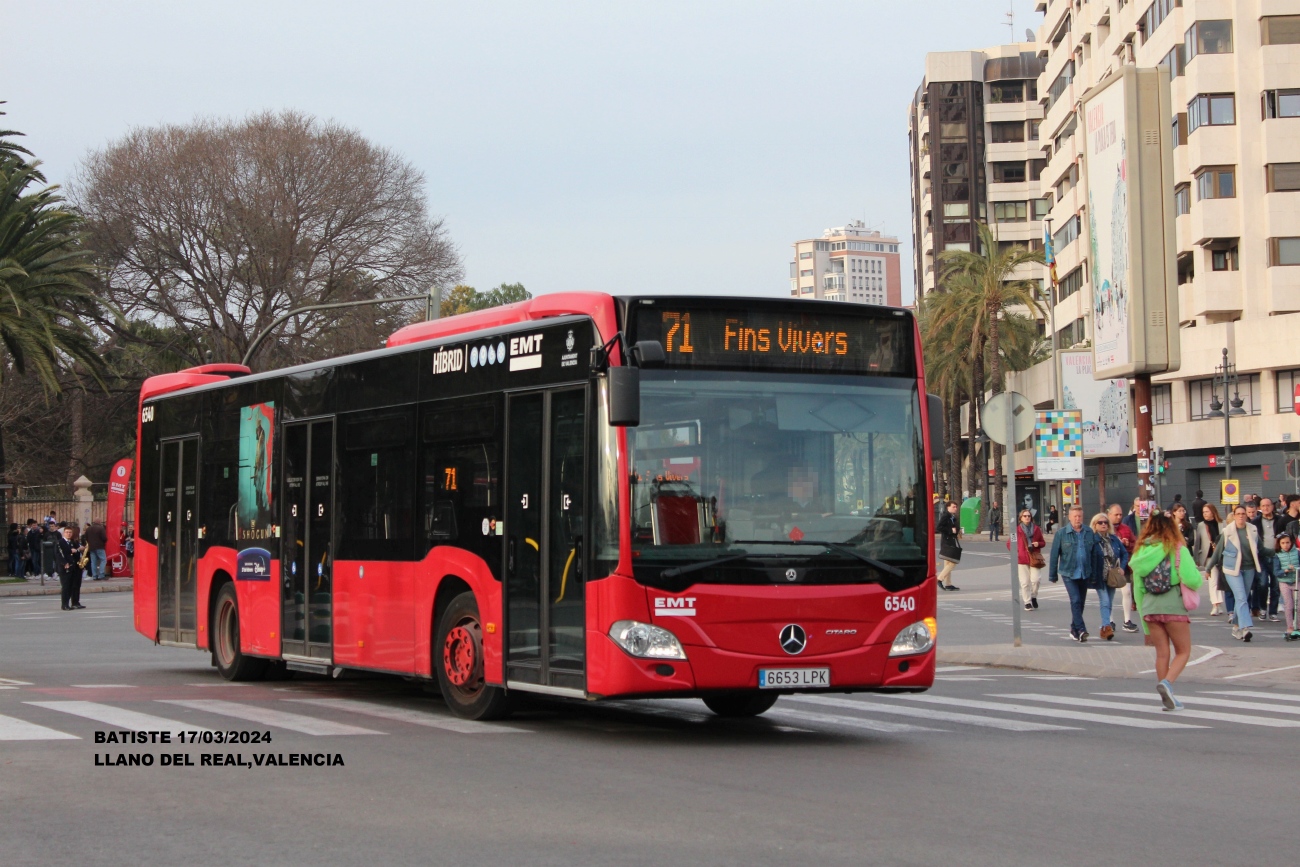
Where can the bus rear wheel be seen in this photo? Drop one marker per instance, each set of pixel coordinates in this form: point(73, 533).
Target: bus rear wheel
point(458, 661)
point(742, 705)
point(231, 662)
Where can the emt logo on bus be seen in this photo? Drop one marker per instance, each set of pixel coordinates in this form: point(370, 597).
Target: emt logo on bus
point(675, 606)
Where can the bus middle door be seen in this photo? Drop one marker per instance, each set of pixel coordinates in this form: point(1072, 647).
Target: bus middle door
point(545, 498)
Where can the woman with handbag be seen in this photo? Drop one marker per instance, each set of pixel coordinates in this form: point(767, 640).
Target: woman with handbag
point(1165, 581)
point(1029, 556)
point(1114, 558)
point(1239, 557)
point(1207, 540)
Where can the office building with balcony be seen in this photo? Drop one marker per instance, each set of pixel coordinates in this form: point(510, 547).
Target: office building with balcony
point(849, 263)
point(1234, 70)
point(975, 155)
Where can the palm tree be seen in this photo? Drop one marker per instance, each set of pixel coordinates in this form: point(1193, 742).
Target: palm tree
point(984, 290)
point(45, 302)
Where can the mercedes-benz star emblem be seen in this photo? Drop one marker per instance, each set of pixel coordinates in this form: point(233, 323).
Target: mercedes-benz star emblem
point(791, 575)
point(793, 639)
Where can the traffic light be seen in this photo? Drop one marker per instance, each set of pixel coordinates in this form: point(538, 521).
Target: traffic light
point(1158, 458)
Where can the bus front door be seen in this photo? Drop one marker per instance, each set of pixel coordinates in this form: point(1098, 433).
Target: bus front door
point(545, 498)
point(178, 542)
point(307, 554)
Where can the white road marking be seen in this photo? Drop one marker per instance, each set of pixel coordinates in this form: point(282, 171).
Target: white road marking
point(410, 715)
point(11, 682)
point(1156, 708)
point(119, 717)
point(1229, 718)
point(268, 716)
point(1049, 712)
point(850, 721)
point(1011, 725)
point(103, 685)
point(1265, 671)
point(1280, 696)
point(1210, 653)
point(12, 729)
point(941, 669)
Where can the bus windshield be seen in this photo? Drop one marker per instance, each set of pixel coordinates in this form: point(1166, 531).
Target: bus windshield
point(757, 467)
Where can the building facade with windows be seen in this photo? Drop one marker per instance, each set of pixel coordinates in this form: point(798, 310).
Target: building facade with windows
point(849, 263)
point(975, 154)
point(1235, 91)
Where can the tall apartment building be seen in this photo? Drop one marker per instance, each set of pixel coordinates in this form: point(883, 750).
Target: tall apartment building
point(848, 263)
point(1235, 88)
point(975, 154)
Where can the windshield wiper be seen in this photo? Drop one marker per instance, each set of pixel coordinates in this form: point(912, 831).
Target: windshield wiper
point(831, 546)
point(703, 564)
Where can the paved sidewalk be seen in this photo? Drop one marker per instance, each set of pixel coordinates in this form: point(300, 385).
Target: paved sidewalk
point(32, 587)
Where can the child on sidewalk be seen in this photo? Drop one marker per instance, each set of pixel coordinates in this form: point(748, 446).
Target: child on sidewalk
point(1285, 564)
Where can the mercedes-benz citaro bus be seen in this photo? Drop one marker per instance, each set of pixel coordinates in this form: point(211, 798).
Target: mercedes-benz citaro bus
point(577, 495)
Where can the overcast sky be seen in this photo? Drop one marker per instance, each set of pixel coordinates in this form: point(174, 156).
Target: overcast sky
point(615, 146)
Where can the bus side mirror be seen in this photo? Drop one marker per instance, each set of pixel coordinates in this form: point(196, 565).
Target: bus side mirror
point(624, 396)
point(936, 425)
point(648, 353)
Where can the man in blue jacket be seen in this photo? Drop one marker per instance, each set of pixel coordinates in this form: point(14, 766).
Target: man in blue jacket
point(1076, 557)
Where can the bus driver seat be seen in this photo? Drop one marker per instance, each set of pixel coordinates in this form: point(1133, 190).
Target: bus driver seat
point(677, 514)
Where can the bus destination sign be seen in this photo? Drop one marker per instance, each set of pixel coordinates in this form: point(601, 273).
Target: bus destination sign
point(778, 340)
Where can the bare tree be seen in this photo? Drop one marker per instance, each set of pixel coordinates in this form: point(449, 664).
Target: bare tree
point(209, 231)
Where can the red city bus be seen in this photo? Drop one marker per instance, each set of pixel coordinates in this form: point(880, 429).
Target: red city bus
point(578, 495)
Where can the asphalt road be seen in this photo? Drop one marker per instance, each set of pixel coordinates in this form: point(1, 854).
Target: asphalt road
point(991, 767)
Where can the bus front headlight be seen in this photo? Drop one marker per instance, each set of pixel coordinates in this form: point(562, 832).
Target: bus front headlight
point(646, 640)
point(917, 638)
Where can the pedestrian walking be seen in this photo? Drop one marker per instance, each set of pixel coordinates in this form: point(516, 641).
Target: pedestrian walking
point(1075, 559)
point(995, 522)
point(96, 539)
point(1114, 557)
point(1198, 507)
point(14, 549)
point(49, 549)
point(1207, 542)
point(1053, 518)
point(1266, 522)
point(1029, 557)
point(1121, 531)
point(68, 556)
point(34, 546)
point(1133, 520)
point(1286, 562)
point(1238, 557)
point(949, 545)
point(1164, 590)
point(1185, 526)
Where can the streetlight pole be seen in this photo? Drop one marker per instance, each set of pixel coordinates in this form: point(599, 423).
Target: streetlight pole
point(1225, 374)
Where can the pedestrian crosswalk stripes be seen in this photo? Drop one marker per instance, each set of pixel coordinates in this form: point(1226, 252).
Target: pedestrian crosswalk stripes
point(805, 717)
point(12, 729)
point(1246, 693)
point(1221, 702)
point(1049, 712)
point(409, 715)
point(1191, 713)
point(118, 717)
point(294, 722)
point(911, 714)
point(1012, 725)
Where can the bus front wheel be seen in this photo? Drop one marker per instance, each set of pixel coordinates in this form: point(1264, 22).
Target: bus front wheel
point(231, 662)
point(745, 704)
point(458, 661)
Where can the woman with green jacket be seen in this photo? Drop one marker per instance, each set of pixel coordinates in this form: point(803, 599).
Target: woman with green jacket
point(1163, 616)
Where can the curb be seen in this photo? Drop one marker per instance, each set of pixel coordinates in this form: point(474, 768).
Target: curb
point(53, 589)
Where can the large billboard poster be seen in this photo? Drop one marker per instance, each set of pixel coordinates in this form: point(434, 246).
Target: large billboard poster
point(1132, 275)
point(253, 508)
point(1058, 444)
point(1103, 403)
point(1108, 224)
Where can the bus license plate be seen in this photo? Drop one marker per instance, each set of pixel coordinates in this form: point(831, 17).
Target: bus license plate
point(787, 678)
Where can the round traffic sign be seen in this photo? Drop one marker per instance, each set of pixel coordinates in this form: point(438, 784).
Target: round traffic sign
point(995, 413)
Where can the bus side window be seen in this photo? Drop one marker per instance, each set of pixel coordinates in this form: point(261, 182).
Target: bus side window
point(462, 478)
